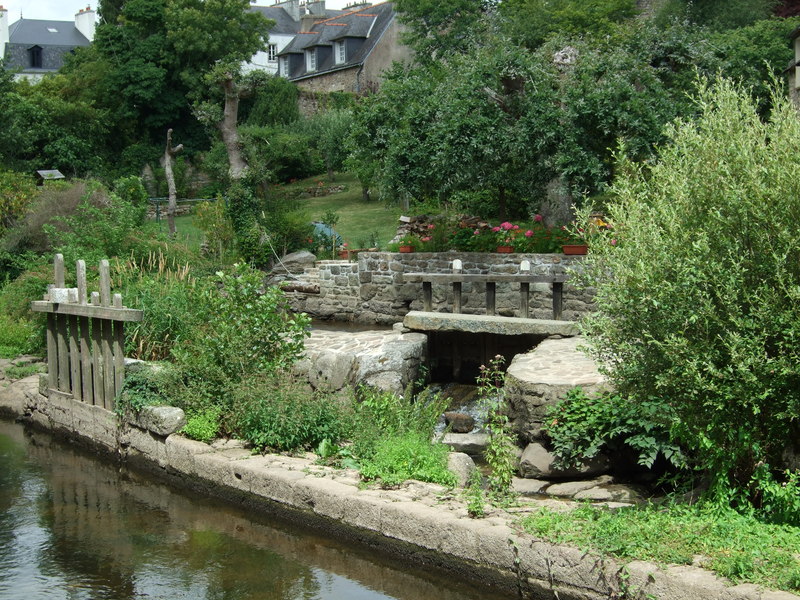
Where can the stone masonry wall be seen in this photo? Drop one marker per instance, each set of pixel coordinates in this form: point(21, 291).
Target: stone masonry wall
point(373, 291)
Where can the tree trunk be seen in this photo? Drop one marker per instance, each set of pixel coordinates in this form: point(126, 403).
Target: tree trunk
point(227, 127)
point(169, 152)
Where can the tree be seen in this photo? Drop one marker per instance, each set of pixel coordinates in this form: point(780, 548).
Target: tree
point(531, 22)
point(439, 28)
point(698, 291)
point(169, 152)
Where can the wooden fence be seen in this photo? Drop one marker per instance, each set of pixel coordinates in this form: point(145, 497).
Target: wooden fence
point(456, 278)
point(85, 339)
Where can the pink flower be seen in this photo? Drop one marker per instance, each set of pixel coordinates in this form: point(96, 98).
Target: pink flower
point(431, 226)
point(495, 229)
point(427, 238)
point(613, 241)
point(476, 232)
point(506, 226)
point(528, 233)
point(538, 218)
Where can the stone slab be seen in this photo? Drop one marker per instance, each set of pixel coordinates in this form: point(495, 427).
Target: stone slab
point(431, 321)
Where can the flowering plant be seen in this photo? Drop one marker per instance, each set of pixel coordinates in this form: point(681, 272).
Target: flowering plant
point(505, 233)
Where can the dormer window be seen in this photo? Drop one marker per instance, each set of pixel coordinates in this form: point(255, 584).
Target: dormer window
point(311, 59)
point(283, 66)
point(272, 52)
point(340, 52)
point(35, 56)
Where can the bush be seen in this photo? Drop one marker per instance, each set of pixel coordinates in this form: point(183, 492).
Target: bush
point(698, 302)
point(278, 413)
point(17, 191)
point(580, 427)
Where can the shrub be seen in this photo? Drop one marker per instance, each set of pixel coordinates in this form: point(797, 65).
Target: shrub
point(17, 191)
point(580, 427)
point(697, 306)
point(278, 413)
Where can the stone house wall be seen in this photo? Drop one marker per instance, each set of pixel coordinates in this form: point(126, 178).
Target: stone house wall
point(372, 290)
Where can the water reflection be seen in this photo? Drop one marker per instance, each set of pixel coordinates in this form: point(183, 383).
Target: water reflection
point(74, 528)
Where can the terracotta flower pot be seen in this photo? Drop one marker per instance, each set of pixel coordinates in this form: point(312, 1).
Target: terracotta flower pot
point(345, 254)
point(574, 249)
point(406, 249)
point(505, 249)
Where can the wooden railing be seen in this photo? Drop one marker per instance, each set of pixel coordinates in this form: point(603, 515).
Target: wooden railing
point(85, 339)
point(457, 278)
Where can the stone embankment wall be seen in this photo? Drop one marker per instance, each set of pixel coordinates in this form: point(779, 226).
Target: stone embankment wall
point(419, 522)
point(372, 290)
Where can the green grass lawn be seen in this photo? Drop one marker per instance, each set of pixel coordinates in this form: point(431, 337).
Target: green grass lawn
point(358, 220)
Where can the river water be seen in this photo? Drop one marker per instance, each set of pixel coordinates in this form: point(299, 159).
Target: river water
point(74, 528)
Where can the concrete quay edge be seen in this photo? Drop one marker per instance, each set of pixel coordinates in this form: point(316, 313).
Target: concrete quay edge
point(421, 522)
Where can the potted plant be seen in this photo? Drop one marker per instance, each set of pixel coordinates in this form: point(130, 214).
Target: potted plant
point(407, 243)
point(504, 235)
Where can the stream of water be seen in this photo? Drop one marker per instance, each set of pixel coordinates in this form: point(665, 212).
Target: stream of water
point(73, 527)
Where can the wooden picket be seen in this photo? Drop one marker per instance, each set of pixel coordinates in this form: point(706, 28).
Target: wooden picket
point(85, 338)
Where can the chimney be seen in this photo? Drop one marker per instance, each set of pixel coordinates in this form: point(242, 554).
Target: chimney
point(3, 31)
point(85, 21)
point(316, 8)
point(292, 7)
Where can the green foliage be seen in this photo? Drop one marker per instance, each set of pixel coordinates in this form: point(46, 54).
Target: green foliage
point(217, 227)
point(100, 226)
point(272, 103)
point(203, 426)
point(438, 28)
point(16, 336)
point(531, 22)
point(476, 502)
point(717, 14)
point(407, 455)
point(144, 385)
point(580, 427)
point(166, 293)
point(17, 191)
point(278, 413)
point(697, 305)
point(738, 547)
point(23, 371)
point(500, 452)
point(248, 327)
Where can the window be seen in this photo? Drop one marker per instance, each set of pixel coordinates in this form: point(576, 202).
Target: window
point(35, 54)
point(283, 66)
point(311, 59)
point(272, 52)
point(341, 52)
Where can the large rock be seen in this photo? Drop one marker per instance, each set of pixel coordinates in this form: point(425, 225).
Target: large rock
point(538, 379)
point(386, 360)
point(296, 262)
point(462, 466)
point(459, 422)
point(161, 420)
point(470, 443)
point(538, 463)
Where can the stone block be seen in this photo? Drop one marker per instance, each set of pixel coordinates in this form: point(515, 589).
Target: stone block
point(538, 463)
point(161, 420)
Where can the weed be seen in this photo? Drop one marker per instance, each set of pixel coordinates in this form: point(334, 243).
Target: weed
point(499, 453)
point(23, 371)
point(203, 426)
point(476, 501)
point(739, 547)
point(409, 455)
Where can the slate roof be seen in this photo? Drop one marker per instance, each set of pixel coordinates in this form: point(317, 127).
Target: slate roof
point(284, 23)
point(37, 32)
point(366, 25)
